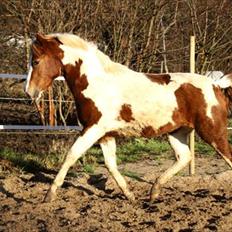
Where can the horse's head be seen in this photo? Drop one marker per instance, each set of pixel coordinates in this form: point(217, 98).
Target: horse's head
point(45, 64)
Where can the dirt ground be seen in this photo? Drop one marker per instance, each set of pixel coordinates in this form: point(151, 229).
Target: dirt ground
point(94, 203)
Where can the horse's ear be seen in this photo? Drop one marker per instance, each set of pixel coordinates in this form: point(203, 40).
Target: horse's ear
point(41, 37)
point(37, 49)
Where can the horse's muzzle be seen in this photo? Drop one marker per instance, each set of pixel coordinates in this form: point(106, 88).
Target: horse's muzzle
point(34, 93)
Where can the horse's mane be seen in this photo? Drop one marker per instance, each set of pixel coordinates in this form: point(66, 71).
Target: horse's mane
point(75, 41)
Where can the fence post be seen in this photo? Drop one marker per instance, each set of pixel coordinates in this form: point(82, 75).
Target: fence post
point(192, 137)
point(40, 108)
point(51, 107)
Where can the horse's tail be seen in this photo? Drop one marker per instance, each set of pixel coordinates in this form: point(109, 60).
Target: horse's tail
point(225, 83)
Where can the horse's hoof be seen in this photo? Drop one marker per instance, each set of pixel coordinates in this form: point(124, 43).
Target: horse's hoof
point(131, 197)
point(49, 197)
point(153, 197)
point(155, 191)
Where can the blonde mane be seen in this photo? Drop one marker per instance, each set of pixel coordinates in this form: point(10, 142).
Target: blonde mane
point(75, 41)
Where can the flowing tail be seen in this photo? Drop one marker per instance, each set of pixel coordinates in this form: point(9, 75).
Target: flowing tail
point(225, 83)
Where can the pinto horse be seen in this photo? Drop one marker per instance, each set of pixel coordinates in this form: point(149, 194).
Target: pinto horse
point(113, 100)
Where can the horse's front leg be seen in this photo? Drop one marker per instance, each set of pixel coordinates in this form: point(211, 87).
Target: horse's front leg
point(82, 144)
point(108, 146)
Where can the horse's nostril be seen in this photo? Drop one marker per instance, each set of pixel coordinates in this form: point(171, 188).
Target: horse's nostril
point(32, 92)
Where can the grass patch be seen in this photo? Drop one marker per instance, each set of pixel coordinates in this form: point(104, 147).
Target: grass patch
point(128, 150)
point(89, 168)
point(131, 174)
point(28, 162)
point(31, 162)
point(203, 148)
point(132, 150)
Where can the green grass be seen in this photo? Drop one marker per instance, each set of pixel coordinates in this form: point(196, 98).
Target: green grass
point(31, 162)
point(132, 150)
point(89, 168)
point(203, 148)
point(25, 162)
point(131, 174)
point(136, 149)
point(128, 150)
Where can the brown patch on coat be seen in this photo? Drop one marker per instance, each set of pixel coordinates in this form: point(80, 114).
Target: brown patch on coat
point(191, 105)
point(228, 94)
point(182, 116)
point(222, 100)
point(88, 113)
point(219, 133)
point(126, 113)
point(190, 100)
point(150, 132)
point(108, 135)
point(162, 79)
point(192, 110)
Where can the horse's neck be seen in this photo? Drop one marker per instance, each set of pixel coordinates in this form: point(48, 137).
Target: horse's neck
point(91, 67)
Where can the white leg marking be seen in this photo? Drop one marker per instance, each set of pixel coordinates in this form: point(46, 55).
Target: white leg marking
point(82, 144)
point(108, 147)
point(178, 141)
point(227, 160)
point(223, 156)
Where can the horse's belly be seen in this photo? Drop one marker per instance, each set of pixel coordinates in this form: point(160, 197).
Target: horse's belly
point(149, 123)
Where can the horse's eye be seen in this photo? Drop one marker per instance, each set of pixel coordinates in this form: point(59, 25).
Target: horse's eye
point(35, 62)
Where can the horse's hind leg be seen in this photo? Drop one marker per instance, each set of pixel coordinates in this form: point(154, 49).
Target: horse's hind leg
point(82, 144)
point(218, 140)
point(214, 132)
point(224, 151)
point(108, 146)
point(179, 142)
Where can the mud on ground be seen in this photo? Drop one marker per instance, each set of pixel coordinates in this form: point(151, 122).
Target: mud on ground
point(93, 202)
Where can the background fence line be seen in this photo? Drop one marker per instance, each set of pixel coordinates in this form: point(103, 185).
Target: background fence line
point(28, 99)
point(38, 127)
point(23, 76)
point(34, 127)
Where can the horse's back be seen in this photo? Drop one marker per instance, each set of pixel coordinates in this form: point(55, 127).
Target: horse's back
point(187, 99)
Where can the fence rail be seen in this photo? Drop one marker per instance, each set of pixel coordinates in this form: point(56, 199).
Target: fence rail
point(13, 76)
point(22, 76)
point(39, 127)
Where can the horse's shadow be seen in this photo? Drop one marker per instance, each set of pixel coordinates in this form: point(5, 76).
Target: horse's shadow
point(46, 176)
point(11, 195)
point(97, 181)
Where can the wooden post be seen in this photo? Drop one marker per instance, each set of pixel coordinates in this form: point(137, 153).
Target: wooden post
point(51, 107)
point(40, 108)
point(192, 137)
